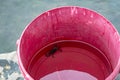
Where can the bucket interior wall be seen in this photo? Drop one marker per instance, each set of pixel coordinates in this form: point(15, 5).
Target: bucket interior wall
point(70, 23)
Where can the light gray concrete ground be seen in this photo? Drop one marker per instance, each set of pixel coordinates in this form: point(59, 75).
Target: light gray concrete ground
point(16, 14)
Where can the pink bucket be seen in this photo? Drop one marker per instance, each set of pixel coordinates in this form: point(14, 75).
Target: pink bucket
point(69, 43)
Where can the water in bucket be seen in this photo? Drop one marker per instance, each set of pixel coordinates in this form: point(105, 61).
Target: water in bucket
point(69, 60)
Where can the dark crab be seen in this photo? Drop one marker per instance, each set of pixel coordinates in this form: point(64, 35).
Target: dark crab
point(53, 51)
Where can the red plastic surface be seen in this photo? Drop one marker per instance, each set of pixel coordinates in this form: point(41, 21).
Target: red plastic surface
point(70, 23)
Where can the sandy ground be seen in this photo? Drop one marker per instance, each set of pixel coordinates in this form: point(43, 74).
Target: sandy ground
point(9, 69)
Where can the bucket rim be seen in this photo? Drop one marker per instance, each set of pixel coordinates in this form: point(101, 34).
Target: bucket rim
point(23, 70)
